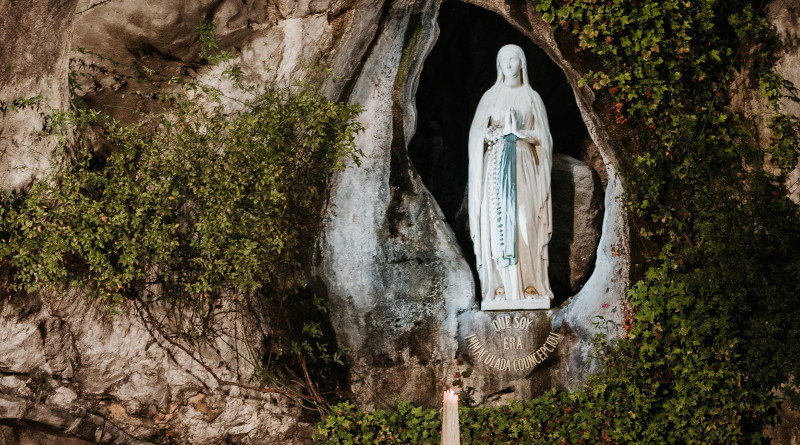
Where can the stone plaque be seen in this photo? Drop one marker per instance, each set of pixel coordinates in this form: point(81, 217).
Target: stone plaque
point(513, 343)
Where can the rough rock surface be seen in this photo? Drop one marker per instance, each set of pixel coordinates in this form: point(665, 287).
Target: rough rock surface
point(402, 293)
point(33, 65)
point(787, 431)
point(74, 368)
point(23, 436)
point(577, 211)
point(388, 261)
point(354, 265)
point(747, 98)
point(786, 18)
point(375, 290)
point(72, 420)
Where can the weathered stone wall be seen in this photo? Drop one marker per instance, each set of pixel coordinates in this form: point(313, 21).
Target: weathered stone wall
point(72, 367)
point(390, 265)
point(35, 40)
point(25, 436)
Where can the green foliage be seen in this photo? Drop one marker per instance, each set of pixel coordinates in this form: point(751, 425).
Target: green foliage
point(312, 340)
point(200, 219)
point(19, 103)
point(785, 140)
point(407, 424)
point(718, 306)
point(552, 418)
point(210, 50)
point(715, 314)
point(190, 206)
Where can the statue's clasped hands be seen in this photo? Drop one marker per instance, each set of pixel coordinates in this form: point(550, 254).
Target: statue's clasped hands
point(496, 134)
point(511, 126)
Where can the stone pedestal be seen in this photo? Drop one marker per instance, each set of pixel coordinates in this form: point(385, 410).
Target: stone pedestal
point(516, 305)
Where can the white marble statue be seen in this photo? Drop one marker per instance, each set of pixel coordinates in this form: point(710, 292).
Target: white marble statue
point(510, 213)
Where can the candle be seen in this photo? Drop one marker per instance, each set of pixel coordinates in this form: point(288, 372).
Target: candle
point(450, 430)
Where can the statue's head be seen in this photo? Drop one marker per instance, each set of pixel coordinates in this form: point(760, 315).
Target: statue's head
point(511, 65)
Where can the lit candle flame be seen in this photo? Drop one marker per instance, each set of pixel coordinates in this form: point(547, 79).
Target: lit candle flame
point(450, 430)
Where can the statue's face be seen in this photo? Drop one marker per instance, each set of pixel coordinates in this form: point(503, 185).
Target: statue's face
point(510, 64)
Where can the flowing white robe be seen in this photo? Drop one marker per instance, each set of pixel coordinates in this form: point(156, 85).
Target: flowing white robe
point(534, 208)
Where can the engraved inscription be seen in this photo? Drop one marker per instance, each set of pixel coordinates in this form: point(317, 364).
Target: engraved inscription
point(510, 327)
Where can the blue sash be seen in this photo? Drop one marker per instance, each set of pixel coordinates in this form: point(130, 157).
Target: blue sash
point(506, 212)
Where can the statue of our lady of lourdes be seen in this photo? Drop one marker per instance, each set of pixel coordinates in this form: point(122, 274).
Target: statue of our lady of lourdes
point(510, 213)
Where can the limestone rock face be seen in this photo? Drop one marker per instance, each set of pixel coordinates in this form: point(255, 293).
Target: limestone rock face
point(401, 292)
point(747, 98)
point(35, 40)
point(388, 261)
point(785, 17)
point(787, 23)
point(17, 436)
point(400, 286)
point(96, 376)
point(577, 198)
point(398, 278)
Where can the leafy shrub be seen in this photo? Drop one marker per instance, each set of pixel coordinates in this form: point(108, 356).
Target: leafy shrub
point(407, 424)
point(552, 418)
point(191, 205)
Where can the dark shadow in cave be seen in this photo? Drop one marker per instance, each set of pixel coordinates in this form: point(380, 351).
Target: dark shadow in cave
point(459, 69)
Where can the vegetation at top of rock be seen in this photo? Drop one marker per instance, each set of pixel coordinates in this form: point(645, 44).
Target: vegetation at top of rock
point(191, 205)
point(716, 305)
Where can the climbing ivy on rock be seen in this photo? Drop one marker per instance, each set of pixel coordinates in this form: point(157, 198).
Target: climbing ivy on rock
point(718, 304)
